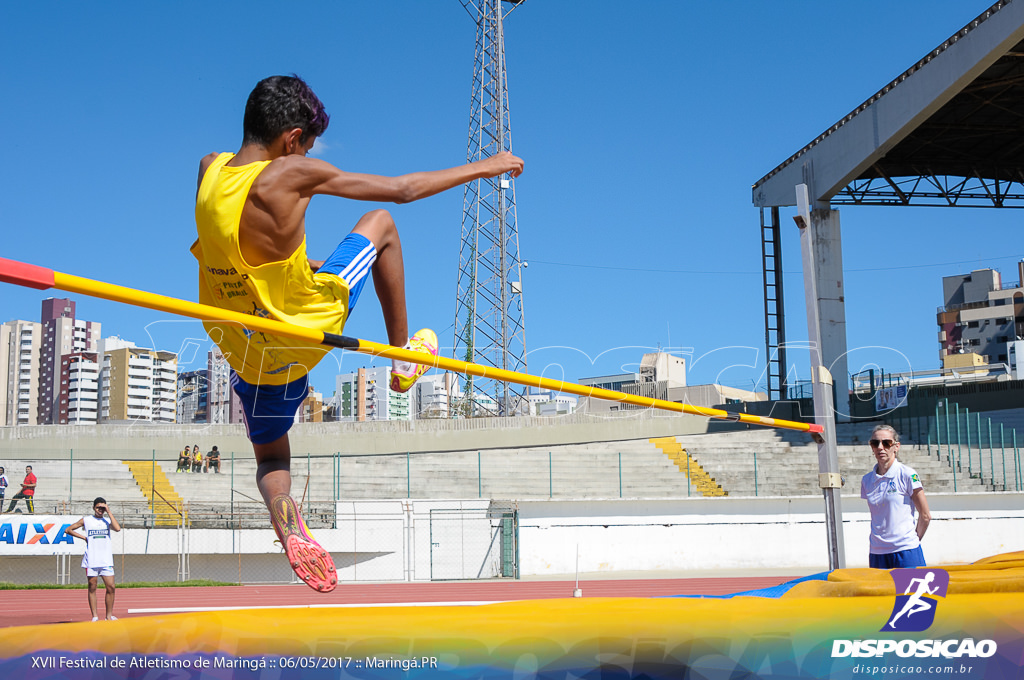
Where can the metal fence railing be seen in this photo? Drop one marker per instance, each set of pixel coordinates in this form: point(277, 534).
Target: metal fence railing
point(981, 452)
point(585, 471)
point(977, 446)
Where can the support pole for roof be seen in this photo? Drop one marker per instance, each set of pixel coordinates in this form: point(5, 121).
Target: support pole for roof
point(829, 299)
point(812, 224)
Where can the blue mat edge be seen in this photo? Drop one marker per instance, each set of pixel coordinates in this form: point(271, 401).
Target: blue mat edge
point(773, 592)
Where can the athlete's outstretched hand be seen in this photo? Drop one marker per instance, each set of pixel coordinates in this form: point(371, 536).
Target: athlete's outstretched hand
point(503, 162)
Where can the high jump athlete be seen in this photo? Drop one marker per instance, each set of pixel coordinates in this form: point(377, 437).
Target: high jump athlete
point(251, 248)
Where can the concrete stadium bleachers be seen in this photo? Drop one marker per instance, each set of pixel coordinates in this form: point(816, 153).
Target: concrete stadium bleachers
point(786, 465)
point(69, 487)
point(590, 470)
point(567, 471)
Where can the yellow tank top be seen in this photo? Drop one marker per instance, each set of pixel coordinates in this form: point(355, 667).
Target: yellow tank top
point(287, 290)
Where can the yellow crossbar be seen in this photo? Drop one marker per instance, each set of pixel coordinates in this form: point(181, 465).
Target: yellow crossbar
point(41, 278)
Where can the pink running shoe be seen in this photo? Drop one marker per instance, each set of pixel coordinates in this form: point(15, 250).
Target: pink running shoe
point(404, 374)
point(310, 562)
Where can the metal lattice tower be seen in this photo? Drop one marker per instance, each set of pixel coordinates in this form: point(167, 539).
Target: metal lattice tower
point(489, 324)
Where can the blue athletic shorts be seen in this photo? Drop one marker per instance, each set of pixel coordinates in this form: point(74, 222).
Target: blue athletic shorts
point(903, 559)
point(351, 261)
point(269, 410)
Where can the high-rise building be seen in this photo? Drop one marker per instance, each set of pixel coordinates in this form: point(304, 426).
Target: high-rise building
point(434, 396)
point(138, 384)
point(193, 397)
point(366, 395)
point(980, 315)
point(79, 388)
point(19, 371)
point(223, 405)
point(62, 334)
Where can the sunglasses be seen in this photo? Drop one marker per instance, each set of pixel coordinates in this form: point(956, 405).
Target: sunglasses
point(884, 443)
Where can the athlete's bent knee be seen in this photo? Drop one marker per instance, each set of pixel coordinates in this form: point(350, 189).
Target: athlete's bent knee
point(378, 226)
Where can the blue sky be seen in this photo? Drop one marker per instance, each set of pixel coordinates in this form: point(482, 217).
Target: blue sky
point(643, 126)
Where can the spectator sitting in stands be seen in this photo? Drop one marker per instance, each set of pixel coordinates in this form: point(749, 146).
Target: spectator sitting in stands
point(213, 461)
point(197, 459)
point(184, 460)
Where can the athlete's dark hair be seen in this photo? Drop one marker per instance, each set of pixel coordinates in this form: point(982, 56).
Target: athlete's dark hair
point(98, 500)
point(281, 103)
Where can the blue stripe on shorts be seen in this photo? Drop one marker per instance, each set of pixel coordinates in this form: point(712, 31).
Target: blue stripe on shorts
point(351, 261)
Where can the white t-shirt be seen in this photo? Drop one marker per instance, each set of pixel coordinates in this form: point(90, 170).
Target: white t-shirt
point(99, 549)
point(893, 523)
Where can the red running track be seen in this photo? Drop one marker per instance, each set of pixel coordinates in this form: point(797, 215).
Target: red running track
point(33, 607)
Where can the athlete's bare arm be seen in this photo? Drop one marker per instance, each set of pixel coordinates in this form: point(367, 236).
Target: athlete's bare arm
point(72, 530)
point(315, 176)
point(273, 221)
point(113, 520)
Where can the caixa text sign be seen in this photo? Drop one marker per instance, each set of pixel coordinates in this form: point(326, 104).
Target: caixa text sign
point(38, 535)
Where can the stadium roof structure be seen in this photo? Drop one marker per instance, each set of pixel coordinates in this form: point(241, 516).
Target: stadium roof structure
point(949, 131)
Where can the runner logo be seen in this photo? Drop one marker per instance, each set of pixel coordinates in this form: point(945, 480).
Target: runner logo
point(914, 610)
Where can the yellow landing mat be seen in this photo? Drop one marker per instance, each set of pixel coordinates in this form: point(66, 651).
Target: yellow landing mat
point(818, 629)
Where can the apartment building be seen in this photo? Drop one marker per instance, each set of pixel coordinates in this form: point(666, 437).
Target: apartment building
point(549, 403)
point(981, 315)
point(138, 384)
point(79, 397)
point(62, 334)
point(312, 409)
point(223, 405)
point(19, 372)
point(366, 395)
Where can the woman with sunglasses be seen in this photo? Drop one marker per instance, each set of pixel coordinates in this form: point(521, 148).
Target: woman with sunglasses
point(894, 492)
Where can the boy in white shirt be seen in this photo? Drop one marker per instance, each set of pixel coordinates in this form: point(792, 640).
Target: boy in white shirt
point(98, 560)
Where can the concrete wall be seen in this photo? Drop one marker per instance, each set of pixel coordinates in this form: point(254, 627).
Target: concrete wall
point(435, 540)
point(745, 533)
point(139, 441)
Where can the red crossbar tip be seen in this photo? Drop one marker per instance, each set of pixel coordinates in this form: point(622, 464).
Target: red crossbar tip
point(28, 275)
